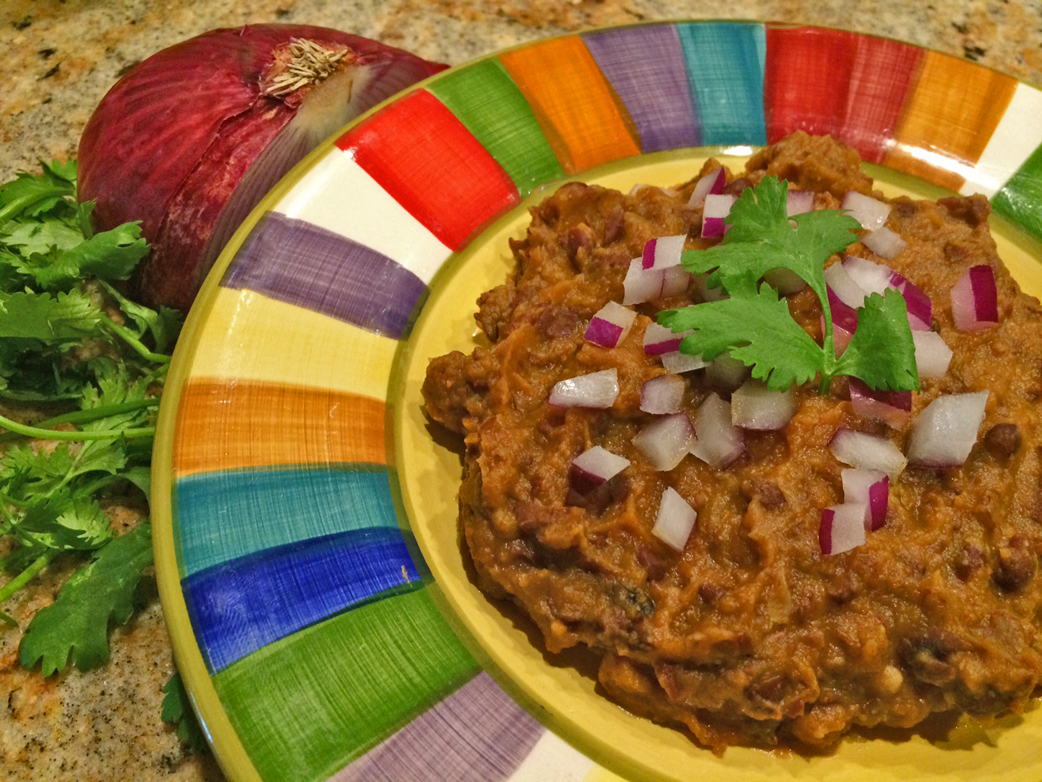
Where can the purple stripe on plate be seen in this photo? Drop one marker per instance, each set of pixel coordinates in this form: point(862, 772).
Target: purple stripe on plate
point(645, 66)
point(477, 734)
point(299, 263)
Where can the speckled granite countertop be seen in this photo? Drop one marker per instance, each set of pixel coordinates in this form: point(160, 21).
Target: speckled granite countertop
point(60, 56)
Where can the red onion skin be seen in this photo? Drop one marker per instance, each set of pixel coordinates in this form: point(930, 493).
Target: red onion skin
point(170, 141)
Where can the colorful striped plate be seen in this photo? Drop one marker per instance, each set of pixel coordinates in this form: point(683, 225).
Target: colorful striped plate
point(305, 516)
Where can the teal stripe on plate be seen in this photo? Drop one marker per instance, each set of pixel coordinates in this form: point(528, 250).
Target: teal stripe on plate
point(223, 516)
point(725, 62)
point(307, 705)
point(488, 103)
point(1020, 199)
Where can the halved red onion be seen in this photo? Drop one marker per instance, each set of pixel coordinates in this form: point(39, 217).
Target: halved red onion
point(675, 520)
point(884, 242)
point(920, 308)
point(718, 442)
point(677, 363)
point(975, 300)
point(945, 432)
point(869, 276)
point(844, 287)
point(891, 407)
point(932, 354)
point(726, 372)
point(660, 339)
point(662, 395)
point(842, 528)
point(642, 284)
point(666, 440)
point(610, 325)
point(717, 207)
point(799, 202)
point(868, 452)
point(870, 488)
point(755, 406)
point(594, 467)
point(712, 183)
point(596, 390)
point(663, 252)
point(870, 212)
point(192, 138)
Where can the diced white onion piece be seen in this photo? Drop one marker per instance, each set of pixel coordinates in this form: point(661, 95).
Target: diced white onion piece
point(891, 407)
point(594, 467)
point(755, 406)
point(842, 528)
point(610, 325)
point(868, 275)
point(932, 354)
point(675, 280)
point(677, 363)
point(713, 182)
point(726, 372)
point(718, 442)
point(870, 488)
point(843, 286)
point(785, 281)
point(975, 301)
point(641, 284)
point(597, 390)
point(663, 252)
point(800, 202)
point(870, 212)
point(884, 242)
point(945, 432)
point(666, 440)
point(675, 520)
point(661, 339)
point(717, 207)
point(662, 395)
point(868, 452)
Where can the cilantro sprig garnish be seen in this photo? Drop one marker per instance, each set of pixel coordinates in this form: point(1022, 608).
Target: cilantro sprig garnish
point(90, 362)
point(754, 325)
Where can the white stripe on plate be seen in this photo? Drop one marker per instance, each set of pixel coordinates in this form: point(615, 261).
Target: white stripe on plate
point(552, 760)
point(1018, 134)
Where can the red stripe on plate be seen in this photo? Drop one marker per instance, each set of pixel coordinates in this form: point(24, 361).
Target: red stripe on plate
point(430, 163)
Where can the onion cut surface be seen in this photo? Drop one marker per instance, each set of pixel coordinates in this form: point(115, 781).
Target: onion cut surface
point(610, 325)
point(675, 520)
point(663, 252)
point(718, 442)
point(842, 528)
point(932, 354)
point(662, 395)
point(754, 406)
point(595, 390)
point(717, 207)
point(868, 452)
point(891, 407)
point(945, 432)
point(594, 467)
point(870, 488)
point(975, 301)
point(666, 440)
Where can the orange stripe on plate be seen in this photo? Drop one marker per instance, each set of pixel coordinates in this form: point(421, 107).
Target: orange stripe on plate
point(951, 114)
point(226, 426)
point(579, 112)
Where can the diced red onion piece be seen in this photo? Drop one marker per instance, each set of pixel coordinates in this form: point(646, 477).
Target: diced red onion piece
point(945, 432)
point(868, 275)
point(610, 325)
point(932, 354)
point(718, 442)
point(663, 252)
point(843, 315)
point(661, 339)
point(884, 242)
point(675, 280)
point(891, 407)
point(675, 520)
point(842, 528)
point(870, 488)
point(800, 202)
point(641, 284)
point(677, 363)
point(975, 300)
point(868, 452)
point(840, 336)
point(870, 212)
point(594, 467)
point(662, 395)
point(712, 183)
point(726, 372)
point(717, 207)
point(920, 308)
point(843, 286)
point(666, 440)
point(597, 390)
point(754, 406)
point(785, 281)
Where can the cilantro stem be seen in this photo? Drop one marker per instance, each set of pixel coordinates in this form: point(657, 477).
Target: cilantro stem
point(131, 339)
point(88, 415)
point(22, 579)
point(76, 436)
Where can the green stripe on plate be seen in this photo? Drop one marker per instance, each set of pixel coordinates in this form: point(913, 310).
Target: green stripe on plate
point(485, 99)
point(1020, 199)
point(307, 705)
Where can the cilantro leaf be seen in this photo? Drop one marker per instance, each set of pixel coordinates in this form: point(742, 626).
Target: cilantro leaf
point(48, 319)
point(882, 352)
point(177, 710)
point(76, 625)
point(110, 254)
point(35, 196)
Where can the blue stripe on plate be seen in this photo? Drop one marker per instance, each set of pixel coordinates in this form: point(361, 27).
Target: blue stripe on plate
point(241, 606)
point(299, 263)
point(643, 66)
point(725, 63)
point(223, 516)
